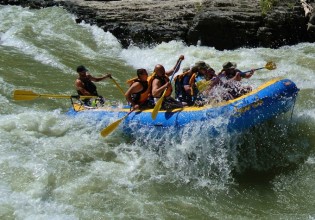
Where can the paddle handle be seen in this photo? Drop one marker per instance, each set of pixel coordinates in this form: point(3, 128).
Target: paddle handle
point(176, 69)
point(118, 86)
point(63, 96)
point(243, 73)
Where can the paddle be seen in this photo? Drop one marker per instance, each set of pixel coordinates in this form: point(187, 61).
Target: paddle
point(110, 128)
point(20, 95)
point(158, 104)
point(269, 66)
point(203, 84)
point(118, 86)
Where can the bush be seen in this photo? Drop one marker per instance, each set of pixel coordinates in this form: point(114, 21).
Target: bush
point(266, 5)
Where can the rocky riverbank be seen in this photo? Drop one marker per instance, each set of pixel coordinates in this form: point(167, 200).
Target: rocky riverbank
point(223, 24)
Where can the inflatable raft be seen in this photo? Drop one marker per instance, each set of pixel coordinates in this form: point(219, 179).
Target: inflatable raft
point(268, 100)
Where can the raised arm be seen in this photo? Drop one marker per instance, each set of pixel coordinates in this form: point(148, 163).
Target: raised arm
point(176, 67)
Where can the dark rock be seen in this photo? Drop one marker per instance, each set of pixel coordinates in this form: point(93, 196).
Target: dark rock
point(225, 27)
point(223, 24)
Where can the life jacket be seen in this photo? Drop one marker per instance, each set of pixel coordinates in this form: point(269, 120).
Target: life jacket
point(179, 84)
point(142, 96)
point(192, 83)
point(163, 81)
point(88, 86)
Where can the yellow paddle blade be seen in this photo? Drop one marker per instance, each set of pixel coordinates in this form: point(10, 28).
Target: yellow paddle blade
point(202, 85)
point(24, 95)
point(109, 129)
point(270, 65)
point(157, 106)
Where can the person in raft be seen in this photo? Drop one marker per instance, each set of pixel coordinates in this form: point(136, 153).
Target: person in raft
point(183, 88)
point(138, 93)
point(85, 86)
point(232, 77)
point(187, 83)
point(160, 81)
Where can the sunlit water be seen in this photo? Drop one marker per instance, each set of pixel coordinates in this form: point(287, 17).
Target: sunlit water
point(56, 167)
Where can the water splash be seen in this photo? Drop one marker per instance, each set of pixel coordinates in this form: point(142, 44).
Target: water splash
point(53, 166)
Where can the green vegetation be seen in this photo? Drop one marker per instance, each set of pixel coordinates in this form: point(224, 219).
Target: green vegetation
point(198, 6)
point(266, 5)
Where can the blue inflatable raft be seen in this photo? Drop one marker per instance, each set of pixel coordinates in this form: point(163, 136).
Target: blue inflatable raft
point(268, 100)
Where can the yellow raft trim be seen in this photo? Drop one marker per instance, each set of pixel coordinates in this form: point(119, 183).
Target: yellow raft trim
point(78, 107)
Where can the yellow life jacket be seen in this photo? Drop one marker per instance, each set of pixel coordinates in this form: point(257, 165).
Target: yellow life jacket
point(199, 86)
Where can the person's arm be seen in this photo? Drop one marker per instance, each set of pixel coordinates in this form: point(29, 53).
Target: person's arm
point(134, 88)
point(80, 87)
point(173, 70)
point(97, 79)
point(186, 84)
point(156, 89)
point(248, 74)
point(237, 77)
point(221, 74)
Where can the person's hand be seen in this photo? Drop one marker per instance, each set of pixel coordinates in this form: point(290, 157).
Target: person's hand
point(109, 75)
point(135, 107)
point(168, 84)
point(181, 57)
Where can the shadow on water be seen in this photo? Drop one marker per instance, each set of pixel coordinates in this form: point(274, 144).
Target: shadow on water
point(262, 178)
point(254, 157)
point(276, 147)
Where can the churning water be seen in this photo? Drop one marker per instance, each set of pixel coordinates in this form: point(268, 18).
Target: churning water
point(56, 167)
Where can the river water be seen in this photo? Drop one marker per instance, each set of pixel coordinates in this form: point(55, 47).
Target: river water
point(56, 167)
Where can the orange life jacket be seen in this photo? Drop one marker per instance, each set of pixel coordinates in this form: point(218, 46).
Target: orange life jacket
point(192, 83)
point(142, 96)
